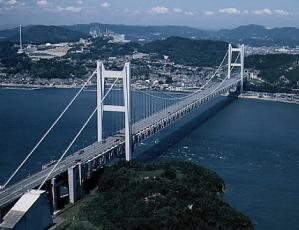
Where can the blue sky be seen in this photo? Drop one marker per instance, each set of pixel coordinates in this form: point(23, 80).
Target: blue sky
point(207, 14)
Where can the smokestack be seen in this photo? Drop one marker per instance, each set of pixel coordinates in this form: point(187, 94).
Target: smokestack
point(20, 51)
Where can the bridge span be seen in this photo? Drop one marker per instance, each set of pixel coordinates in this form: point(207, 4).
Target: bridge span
point(73, 170)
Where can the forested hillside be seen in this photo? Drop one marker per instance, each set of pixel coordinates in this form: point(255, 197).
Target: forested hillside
point(174, 195)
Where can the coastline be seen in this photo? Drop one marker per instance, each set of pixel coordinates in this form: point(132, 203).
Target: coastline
point(254, 97)
point(247, 95)
point(34, 87)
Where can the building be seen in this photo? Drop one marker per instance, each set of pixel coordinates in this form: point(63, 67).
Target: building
point(118, 38)
point(32, 211)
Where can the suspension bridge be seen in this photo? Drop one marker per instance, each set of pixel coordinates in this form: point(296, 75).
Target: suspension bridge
point(160, 111)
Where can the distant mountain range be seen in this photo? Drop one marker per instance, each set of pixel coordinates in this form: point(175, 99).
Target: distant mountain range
point(42, 34)
point(254, 35)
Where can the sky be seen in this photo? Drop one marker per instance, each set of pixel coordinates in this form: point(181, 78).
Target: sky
point(204, 14)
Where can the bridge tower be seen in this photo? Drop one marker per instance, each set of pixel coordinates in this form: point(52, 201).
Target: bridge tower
point(240, 51)
point(125, 76)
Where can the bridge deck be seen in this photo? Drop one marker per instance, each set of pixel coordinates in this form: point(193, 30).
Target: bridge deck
point(13, 192)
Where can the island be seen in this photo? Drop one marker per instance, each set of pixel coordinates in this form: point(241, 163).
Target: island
point(164, 195)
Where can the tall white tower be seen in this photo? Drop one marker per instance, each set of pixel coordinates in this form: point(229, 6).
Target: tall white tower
point(241, 53)
point(20, 51)
point(125, 76)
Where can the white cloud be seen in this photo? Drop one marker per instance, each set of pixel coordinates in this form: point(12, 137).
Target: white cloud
point(42, 3)
point(80, 2)
point(130, 11)
point(105, 5)
point(73, 9)
point(11, 2)
point(177, 10)
point(263, 12)
point(189, 13)
point(229, 11)
point(209, 13)
point(68, 8)
point(159, 10)
point(282, 12)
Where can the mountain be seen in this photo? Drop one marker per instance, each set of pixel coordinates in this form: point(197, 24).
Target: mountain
point(42, 34)
point(143, 32)
point(189, 51)
point(253, 35)
point(256, 35)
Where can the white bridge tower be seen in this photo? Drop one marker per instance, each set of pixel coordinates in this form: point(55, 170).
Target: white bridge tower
point(240, 51)
point(125, 76)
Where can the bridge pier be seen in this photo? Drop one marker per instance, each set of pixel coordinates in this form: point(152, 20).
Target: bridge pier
point(75, 183)
point(54, 194)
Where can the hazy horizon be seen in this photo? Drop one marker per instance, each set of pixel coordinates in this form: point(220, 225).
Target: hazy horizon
point(199, 14)
point(12, 26)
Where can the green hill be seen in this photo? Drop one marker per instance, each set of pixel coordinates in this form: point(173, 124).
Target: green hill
point(189, 51)
point(280, 72)
point(42, 34)
point(174, 195)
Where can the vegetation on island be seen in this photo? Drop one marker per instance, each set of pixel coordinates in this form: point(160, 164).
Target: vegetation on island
point(279, 72)
point(173, 195)
point(190, 52)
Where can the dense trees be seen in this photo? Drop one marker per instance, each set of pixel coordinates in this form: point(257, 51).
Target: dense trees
point(280, 71)
point(202, 53)
point(175, 195)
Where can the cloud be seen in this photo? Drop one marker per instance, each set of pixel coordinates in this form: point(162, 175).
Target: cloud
point(263, 12)
point(209, 13)
point(177, 10)
point(80, 2)
point(105, 5)
point(73, 9)
point(159, 10)
point(42, 3)
point(11, 2)
point(282, 12)
point(229, 11)
point(189, 13)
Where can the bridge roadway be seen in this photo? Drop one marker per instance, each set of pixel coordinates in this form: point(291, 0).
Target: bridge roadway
point(13, 192)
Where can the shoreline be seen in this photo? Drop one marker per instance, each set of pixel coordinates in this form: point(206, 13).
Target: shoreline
point(246, 95)
point(269, 99)
point(33, 87)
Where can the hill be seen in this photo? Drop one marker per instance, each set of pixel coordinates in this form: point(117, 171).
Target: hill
point(174, 195)
point(279, 72)
point(189, 51)
point(143, 32)
point(256, 35)
point(42, 34)
point(253, 35)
